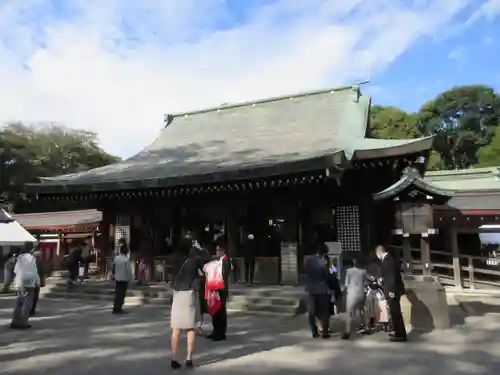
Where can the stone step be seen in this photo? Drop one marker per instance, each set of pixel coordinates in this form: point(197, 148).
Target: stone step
point(256, 300)
point(234, 304)
point(161, 290)
point(249, 297)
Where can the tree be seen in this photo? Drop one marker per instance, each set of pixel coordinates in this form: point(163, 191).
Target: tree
point(392, 123)
point(463, 119)
point(30, 152)
point(489, 155)
point(435, 162)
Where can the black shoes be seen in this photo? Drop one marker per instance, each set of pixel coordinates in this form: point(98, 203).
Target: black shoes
point(398, 339)
point(346, 336)
point(219, 338)
point(215, 337)
point(19, 326)
point(394, 338)
point(119, 312)
point(324, 334)
point(175, 365)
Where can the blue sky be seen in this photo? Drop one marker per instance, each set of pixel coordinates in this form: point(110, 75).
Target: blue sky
point(469, 55)
point(116, 66)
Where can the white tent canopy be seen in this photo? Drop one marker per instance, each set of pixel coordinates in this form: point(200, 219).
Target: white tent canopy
point(12, 233)
point(489, 234)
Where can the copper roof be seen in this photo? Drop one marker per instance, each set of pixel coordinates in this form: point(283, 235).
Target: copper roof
point(61, 220)
point(282, 135)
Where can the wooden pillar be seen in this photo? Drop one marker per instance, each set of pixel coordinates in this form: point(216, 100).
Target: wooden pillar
point(56, 260)
point(455, 253)
point(407, 256)
point(425, 253)
point(232, 232)
point(176, 232)
point(93, 244)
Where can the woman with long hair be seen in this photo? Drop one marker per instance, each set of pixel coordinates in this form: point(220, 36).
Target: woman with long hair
point(185, 311)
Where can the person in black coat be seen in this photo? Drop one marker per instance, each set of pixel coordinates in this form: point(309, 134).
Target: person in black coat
point(392, 282)
point(219, 319)
point(249, 250)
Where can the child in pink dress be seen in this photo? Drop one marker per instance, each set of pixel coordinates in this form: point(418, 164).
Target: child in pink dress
point(383, 313)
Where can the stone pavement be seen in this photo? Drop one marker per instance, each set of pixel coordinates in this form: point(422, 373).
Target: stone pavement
point(76, 338)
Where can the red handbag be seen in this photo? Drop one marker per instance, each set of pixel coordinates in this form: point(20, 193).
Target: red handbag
point(214, 303)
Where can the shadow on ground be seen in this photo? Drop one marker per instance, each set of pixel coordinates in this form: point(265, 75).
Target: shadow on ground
point(77, 338)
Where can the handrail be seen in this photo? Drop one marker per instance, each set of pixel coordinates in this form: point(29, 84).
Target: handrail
point(467, 265)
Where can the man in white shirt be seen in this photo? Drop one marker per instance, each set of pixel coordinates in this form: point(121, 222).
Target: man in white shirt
point(122, 273)
point(37, 253)
point(26, 280)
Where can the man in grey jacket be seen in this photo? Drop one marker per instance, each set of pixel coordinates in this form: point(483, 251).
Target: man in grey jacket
point(318, 291)
point(37, 253)
point(26, 280)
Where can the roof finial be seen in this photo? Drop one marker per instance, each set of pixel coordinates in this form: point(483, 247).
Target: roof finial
point(168, 120)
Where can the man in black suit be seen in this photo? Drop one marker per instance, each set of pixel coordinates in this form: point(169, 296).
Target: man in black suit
point(219, 319)
point(390, 272)
point(249, 250)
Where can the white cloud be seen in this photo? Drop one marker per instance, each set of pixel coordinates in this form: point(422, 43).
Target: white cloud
point(116, 66)
point(488, 10)
point(458, 54)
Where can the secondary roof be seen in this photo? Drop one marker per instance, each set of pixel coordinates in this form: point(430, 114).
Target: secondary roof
point(85, 220)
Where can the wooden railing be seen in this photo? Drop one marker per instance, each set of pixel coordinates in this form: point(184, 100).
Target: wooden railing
point(467, 271)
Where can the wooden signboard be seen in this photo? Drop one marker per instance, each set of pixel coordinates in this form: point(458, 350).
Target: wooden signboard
point(415, 218)
point(289, 266)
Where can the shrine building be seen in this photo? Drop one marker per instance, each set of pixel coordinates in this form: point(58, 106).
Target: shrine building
point(291, 170)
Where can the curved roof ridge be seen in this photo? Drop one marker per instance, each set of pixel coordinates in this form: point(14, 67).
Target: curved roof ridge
point(353, 86)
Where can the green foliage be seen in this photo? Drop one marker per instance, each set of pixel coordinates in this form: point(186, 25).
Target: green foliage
point(30, 152)
point(464, 121)
point(489, 155)
point(392, 123)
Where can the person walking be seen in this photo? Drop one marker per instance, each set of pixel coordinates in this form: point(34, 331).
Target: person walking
point(393, 286)
point(26, 280)
point(73, 260)
point(37, 253)
point(318, 284)
point(356, 280)
point(122, 274)
point(86, 256)
point(185, 312)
